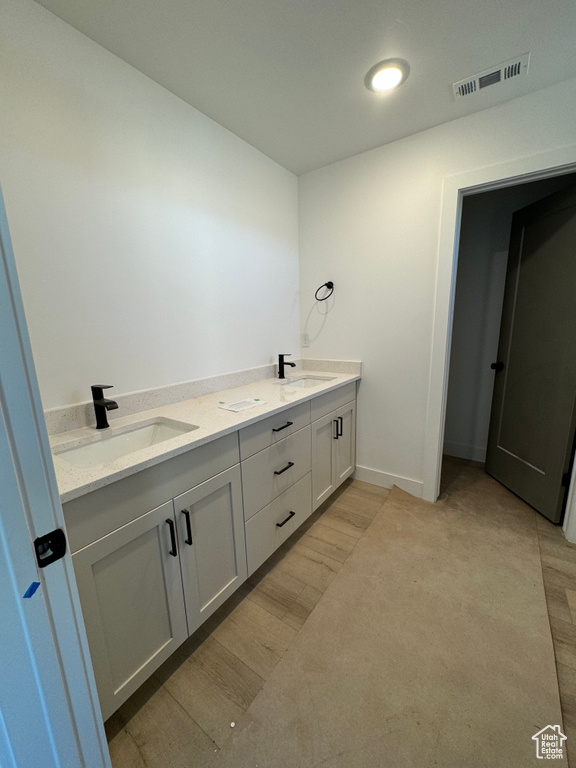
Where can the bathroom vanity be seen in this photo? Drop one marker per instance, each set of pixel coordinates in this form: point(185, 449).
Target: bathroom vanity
point(161, 537)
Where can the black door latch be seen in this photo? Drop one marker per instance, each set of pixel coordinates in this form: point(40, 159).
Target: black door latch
point(50, 547)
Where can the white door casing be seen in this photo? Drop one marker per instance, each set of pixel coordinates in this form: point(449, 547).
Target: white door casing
point(49, 714)
point(543, 165)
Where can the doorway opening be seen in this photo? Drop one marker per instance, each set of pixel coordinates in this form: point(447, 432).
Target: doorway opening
point(485, 228)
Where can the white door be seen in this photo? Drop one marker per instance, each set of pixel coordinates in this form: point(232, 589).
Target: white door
point(345, 445)
point(211, 542)
point(49, 713)
point(323, 454)
point(131, 593)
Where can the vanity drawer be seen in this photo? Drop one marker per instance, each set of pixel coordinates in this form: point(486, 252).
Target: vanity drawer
point(259, 436)
point(332, 400)
point(264, 534)
point(264, 475)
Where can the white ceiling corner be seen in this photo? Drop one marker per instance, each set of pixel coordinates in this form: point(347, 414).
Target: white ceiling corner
point(288, 75)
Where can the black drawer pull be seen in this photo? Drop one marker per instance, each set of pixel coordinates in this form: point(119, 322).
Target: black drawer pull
point(279, 429)
point(341, 420)
point(337, 435)
point(173, 551)
point(188, 539)
point(290, 516)
point(279, 472)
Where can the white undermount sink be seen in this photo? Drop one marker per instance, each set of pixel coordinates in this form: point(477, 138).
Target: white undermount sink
point(305, 382)
point(114, 443)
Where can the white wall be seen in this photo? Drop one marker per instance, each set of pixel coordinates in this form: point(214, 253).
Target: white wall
point(153, 246)
point(482, 262)
point(371, 224)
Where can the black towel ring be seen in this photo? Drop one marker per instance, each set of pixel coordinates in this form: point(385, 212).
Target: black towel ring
point(330, 286)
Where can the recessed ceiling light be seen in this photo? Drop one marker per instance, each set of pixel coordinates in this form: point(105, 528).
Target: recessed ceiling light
point(387, 75)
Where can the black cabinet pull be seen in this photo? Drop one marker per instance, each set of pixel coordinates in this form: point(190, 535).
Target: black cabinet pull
point(279, 429)
point(337, 435)
point(497, 367)
point(341, 420)
point(279, 472)
point(290, 516)
point(188, 539)
point(173, 551)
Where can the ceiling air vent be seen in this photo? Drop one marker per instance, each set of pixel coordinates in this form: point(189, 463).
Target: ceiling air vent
point(506, 71)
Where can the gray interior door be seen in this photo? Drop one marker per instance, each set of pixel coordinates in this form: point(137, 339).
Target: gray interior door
point(533, 409)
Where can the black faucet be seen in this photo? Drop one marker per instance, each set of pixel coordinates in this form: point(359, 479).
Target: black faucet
point(282, 363)
point(102, 404)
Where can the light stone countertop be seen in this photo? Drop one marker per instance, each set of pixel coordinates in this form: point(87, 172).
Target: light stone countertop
point(213, 422)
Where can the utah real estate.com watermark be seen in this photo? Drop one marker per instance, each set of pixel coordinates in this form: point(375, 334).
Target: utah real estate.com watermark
point(549, 743)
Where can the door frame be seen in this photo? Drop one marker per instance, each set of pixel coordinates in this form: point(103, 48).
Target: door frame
point(48, 702)
point(557, 162)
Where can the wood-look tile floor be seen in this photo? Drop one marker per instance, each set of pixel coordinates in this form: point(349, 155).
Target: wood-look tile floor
point(183, 713)
point(558, 558)
point(559, 572)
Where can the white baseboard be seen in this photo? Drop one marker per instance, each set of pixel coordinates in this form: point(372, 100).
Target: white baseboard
point(384, 480)
point(462, 451)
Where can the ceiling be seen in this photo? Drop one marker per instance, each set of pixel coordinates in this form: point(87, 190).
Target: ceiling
point(288, 75)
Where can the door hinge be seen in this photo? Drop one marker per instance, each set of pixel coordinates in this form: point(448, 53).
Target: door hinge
point(499, 366)
point(50, 547)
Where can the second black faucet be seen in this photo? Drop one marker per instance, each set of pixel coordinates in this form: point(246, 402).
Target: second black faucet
point(282, 363)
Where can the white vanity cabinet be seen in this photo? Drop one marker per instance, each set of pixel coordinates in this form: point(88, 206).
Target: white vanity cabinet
point(157, 552)
point(333, 442)
point(143, 588)
point(211, 544)
point(131, 593)
point(276, 481)
point(291, 463)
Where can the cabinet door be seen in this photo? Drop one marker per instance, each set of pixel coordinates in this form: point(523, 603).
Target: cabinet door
point(131, 594)
point(323, 454)
point(212, 545)
point(345, 446)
